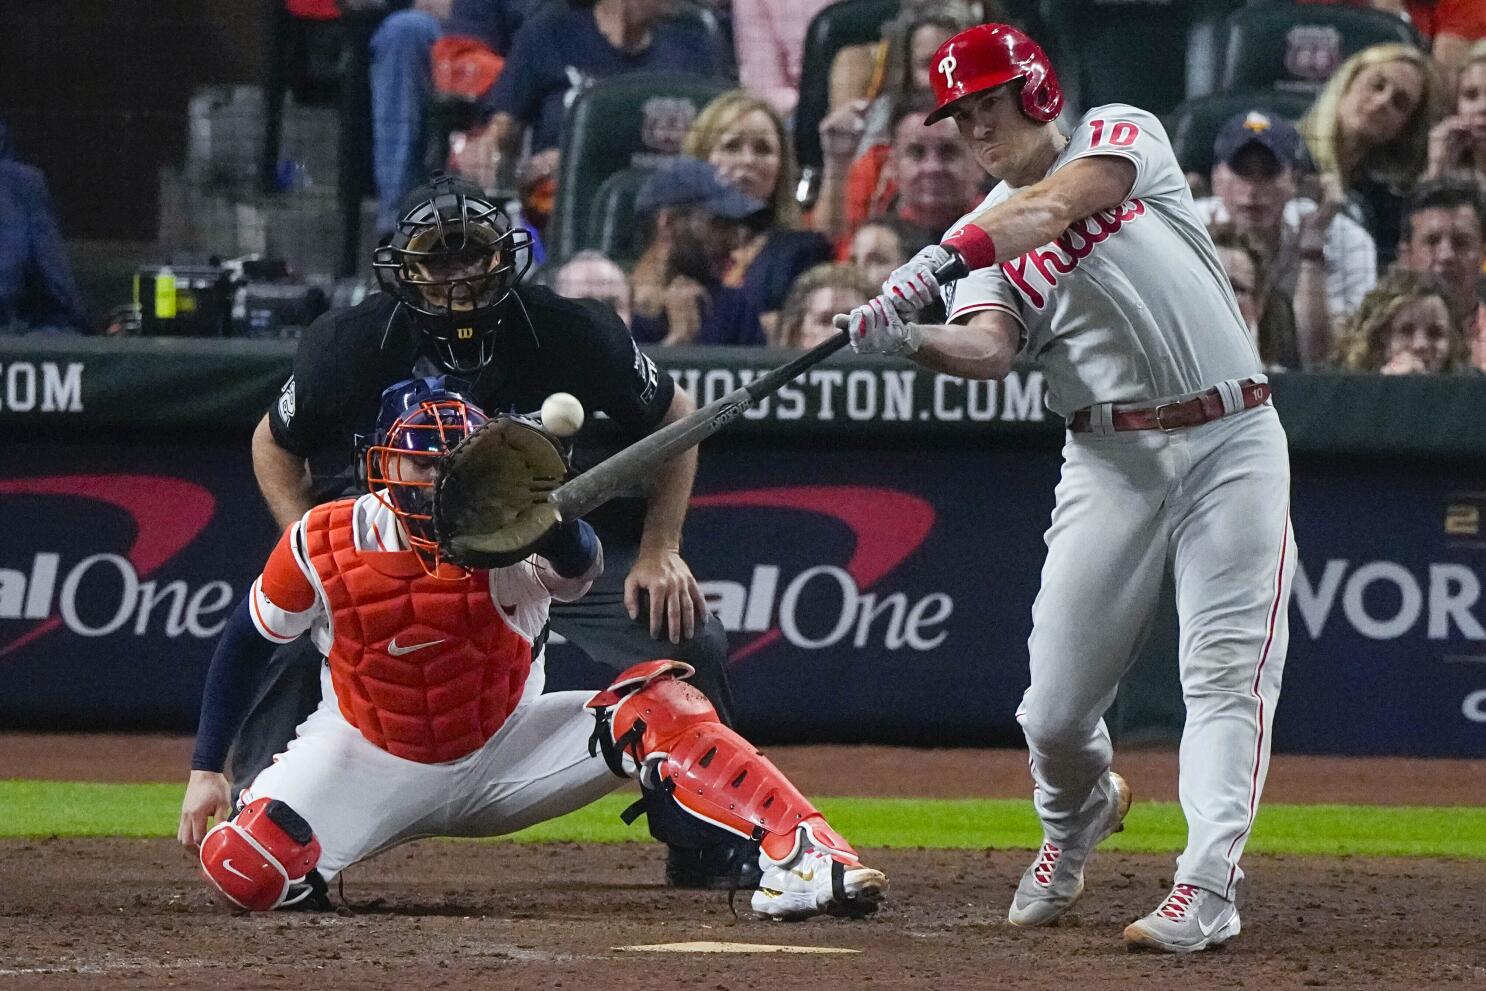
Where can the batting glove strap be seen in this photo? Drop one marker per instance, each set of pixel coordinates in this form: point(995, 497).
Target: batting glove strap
point(974, 245)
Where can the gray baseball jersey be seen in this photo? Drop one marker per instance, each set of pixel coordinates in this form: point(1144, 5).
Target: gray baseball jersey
point(1130, 304)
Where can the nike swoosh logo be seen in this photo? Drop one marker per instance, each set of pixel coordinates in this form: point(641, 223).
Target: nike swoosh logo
point(397, 651)
point(806, 876)
point(1208, 930)
point(227, 866)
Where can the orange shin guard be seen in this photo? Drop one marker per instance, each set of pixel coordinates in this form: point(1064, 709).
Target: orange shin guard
point(675, 744)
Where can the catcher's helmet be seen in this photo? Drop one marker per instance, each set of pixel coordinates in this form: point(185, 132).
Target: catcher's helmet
point(454, 259)
point(420, 420)
point(991, 55)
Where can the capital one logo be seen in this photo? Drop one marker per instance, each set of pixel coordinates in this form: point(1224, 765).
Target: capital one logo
point(167, 514)
point(886, 525)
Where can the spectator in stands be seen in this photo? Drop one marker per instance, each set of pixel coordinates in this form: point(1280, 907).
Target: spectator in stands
point(909, 43)
point(1457, 144)
point(889, 67)
point(745, 139)
point(431, 49)
point(816, 298)
point(900, 76)
point(1403, 328)
point(1323, 262)
point(1449, 27)
point(879, 247)
point(1370, 128)
point(696, 221)
point(37, 290)
point(1443, 234)
point(561, 51)
point(589, 275)
point(769, 37)
point(929, 182)
point(1266, 311)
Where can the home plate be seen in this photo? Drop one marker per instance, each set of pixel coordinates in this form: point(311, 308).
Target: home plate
point(708, 946)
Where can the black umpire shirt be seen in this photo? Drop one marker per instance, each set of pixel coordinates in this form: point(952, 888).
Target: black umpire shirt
point(328, 408)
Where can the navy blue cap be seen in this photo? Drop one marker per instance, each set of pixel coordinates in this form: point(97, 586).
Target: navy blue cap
point(1269, 131)
point(686, 181)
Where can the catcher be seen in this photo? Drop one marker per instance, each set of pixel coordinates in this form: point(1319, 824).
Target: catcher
point(433, 721)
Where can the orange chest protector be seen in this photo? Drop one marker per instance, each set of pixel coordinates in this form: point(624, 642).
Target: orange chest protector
point(426, 669)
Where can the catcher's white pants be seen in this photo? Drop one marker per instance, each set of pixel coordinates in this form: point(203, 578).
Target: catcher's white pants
point(1212, 500)
point(361, 800)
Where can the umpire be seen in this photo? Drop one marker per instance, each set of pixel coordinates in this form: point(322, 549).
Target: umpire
point(452, 303)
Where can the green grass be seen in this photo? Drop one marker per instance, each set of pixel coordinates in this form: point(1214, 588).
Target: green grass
point(64, 808)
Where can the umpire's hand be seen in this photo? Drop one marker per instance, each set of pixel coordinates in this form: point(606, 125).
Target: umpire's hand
point(677, 606)
point(208, 794)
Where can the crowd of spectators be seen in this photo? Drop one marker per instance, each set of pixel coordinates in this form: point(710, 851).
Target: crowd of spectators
point(1345, 232)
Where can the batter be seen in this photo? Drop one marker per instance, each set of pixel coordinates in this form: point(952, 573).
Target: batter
point(1089, 259)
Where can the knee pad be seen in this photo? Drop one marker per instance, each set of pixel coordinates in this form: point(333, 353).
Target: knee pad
point(254, 859)
point(696, 771)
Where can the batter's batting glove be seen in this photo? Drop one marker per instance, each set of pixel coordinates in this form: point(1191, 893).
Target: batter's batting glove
point(912, 286)
point(876, 327)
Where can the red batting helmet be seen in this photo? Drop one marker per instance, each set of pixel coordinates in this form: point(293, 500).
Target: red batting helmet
point(991, 55)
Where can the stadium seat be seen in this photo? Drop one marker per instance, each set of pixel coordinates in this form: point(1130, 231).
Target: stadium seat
point(632, 120)
point(1193, 126)
point(612, 228)
point(1298, 46)
point(1126, 51)
point(1206, 35)
point(850, 22)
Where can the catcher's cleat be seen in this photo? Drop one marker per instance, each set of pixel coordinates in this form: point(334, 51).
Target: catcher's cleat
point(1055, 880)
point(1190, 919)
point(310, 895)
point(731, 866)
point(815, 879)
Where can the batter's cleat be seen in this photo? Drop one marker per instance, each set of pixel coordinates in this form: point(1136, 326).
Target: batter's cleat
point(1190, 919)
point(816, 879)
point(1056, 878)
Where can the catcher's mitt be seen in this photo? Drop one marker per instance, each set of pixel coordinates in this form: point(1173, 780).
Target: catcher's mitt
point(490, 505)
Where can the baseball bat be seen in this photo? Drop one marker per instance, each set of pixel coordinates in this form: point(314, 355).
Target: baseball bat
point(623, 469)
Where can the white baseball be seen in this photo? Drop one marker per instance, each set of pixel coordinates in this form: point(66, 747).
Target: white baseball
point(562, 414)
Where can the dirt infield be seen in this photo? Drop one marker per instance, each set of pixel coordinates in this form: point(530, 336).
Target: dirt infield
point(131, 914)
point(443, 914)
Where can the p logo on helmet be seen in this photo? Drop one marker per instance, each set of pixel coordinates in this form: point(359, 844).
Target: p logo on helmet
point(947, 65)
point(990, 55)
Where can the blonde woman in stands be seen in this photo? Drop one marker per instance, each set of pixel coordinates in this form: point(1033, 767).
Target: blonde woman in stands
point(745, 139)
point(1370, 128)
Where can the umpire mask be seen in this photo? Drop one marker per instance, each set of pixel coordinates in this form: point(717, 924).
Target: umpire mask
point(454, 259)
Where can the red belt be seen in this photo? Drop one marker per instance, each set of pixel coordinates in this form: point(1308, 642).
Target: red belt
point(1174, 416)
